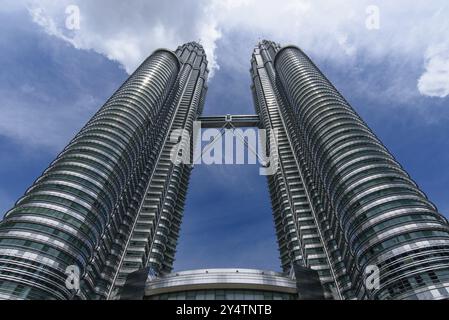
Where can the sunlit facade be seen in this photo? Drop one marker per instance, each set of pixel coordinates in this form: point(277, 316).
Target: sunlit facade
point(112, 201)
point(342, 204)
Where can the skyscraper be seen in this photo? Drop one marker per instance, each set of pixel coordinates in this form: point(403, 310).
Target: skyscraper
point(109, 208)
point(342, 204)
point(112, 200)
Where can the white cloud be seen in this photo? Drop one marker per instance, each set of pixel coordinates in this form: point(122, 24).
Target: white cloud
point(39, 17)
point(435, 80)
point(349, 49)
point(128, 32)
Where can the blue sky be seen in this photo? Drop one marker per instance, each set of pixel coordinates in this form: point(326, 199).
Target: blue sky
point(54, 79)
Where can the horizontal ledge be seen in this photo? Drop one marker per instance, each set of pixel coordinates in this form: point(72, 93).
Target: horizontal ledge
point(237, 121)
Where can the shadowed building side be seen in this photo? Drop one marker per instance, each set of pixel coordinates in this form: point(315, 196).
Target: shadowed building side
point(155, 232)
point(296, 214)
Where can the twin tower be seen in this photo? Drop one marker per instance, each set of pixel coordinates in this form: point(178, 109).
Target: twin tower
point(111, 204)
